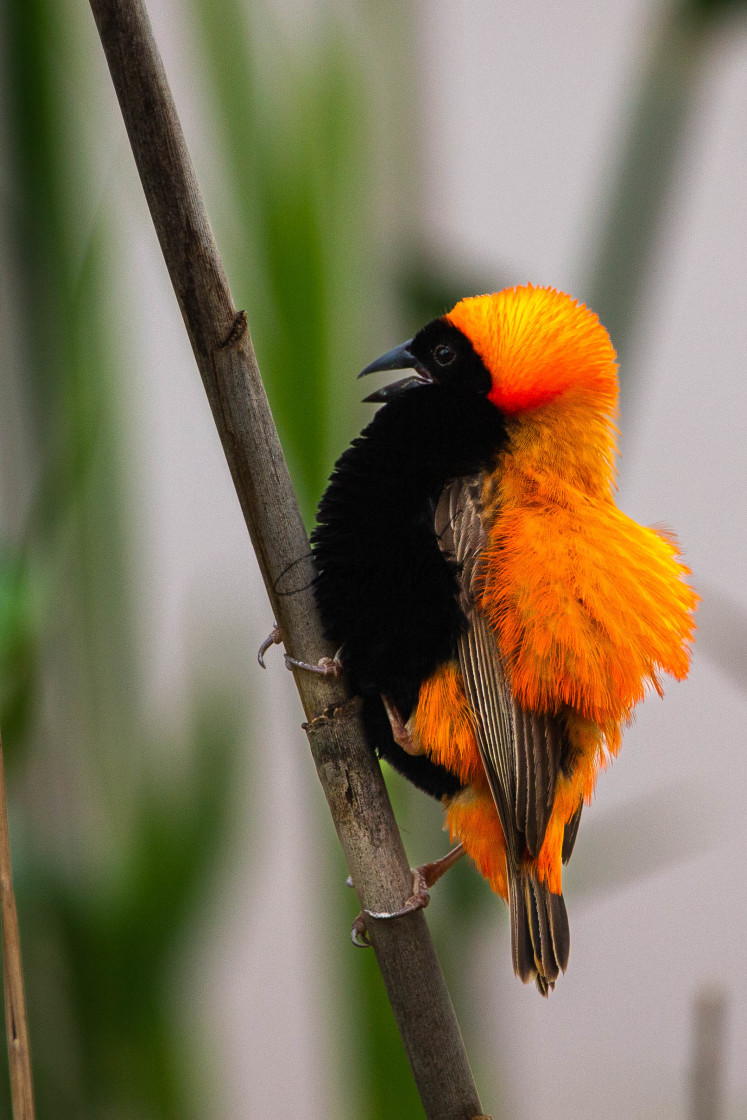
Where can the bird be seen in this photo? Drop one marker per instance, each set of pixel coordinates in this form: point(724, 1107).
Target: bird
point(497, 613)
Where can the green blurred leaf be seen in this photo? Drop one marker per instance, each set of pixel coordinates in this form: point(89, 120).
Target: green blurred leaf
point(19, 650)
point(103, 950)
point(388, 1087)
point(711, 9)
point(105, 914)
point(296, 164)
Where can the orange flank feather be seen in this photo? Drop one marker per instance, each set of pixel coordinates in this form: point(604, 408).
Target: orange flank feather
point(472, 820)
point(445, 722)
point(445, 725)
point(587, 739)
point(588, 608)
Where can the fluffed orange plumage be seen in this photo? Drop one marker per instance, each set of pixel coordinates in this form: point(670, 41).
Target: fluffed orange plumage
point(589, 607)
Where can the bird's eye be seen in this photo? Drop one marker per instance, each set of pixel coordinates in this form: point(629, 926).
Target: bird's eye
point(444, 355)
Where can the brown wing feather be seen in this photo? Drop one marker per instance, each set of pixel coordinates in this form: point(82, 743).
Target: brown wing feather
point(498, 736)
point(520, 750)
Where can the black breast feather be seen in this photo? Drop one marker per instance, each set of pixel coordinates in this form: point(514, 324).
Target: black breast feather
point(387, 595)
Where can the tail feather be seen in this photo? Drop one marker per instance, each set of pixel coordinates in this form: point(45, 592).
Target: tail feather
point(540, 932)
point(522, 951)
point(540, 937)
point(559, 928)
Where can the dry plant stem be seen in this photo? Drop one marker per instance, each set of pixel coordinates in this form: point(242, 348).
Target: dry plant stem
point(16, 1024)
point(709, 1047)
point(347, 768)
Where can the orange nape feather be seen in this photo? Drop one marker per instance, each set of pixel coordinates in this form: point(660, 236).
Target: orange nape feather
point(588, 606)
point(537, 343)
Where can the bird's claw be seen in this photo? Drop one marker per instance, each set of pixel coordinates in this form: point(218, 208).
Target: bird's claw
point(359, 932)
point(325, 666)
point(274, 638)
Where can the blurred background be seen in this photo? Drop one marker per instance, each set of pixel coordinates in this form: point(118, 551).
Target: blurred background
point(365, 164)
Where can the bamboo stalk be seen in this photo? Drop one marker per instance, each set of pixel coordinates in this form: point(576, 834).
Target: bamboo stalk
point(16, 1023)
point(347, 767)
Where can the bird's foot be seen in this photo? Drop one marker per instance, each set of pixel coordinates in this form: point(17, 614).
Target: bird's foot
point(401, 734)
point(418, 900)
point(423, 879)
point(325, 666)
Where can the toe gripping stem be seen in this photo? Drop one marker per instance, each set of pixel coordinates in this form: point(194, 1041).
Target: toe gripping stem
point(423, 879)
point(418, 900)
point(325, 666)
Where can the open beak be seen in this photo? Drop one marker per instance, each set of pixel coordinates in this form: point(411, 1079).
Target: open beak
point(401, 357)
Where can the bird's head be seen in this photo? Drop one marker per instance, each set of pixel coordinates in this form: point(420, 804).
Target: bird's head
point(522, 348)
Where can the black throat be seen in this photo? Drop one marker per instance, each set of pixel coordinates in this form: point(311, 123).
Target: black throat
point(386, 594)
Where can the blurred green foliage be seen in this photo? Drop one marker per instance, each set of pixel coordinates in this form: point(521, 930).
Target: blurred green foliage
point(19, 638)
point(102, 950)
point(104, 914)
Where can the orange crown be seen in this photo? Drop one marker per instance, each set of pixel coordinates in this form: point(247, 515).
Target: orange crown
point(537, 343)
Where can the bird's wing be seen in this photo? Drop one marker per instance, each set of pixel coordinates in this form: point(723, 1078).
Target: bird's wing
point(521, 751)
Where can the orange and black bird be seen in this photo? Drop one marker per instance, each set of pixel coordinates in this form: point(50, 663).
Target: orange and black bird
point(498, 614)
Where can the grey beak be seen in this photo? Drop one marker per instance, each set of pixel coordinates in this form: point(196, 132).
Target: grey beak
point(398, 358)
